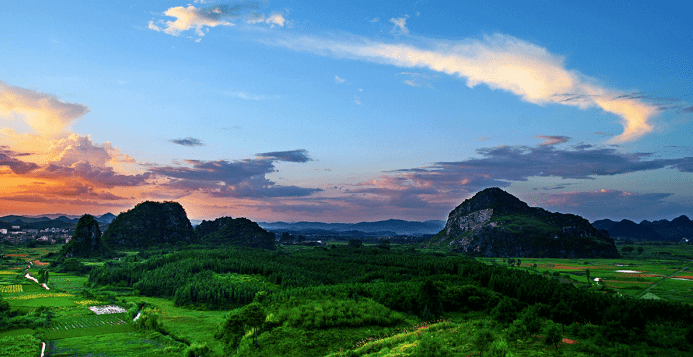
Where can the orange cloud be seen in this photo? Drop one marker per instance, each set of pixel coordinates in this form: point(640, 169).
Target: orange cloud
point(46, 114)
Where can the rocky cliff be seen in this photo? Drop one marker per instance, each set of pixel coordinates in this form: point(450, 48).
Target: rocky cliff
point(229, 231)
point(86, 242)
point(150, 224)
point(495, 223)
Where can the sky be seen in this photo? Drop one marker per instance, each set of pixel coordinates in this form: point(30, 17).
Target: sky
point(346, 111)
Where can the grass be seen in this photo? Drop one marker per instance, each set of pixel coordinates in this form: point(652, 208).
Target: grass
point(189, 324)
point(19, 345)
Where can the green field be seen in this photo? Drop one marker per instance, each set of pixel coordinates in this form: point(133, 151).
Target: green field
point(299, 325)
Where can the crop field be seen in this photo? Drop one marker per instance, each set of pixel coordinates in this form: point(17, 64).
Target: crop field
point(11, 289)
point(629, 275)
point(68, 283)
point(88, 325)
point(118, 344)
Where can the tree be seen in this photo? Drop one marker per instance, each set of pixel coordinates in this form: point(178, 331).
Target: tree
point(552, 334)
point(250, 317)
point(355, 243)
point(43, 276)
point(640, 250)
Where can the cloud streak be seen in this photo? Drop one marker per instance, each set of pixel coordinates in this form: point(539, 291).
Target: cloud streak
point(239, 179)
point(440, 186)
point(189, 141)
point(500, 62)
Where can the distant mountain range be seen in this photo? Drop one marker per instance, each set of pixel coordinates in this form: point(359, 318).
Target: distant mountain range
point(388, 227)
point(49, 221)
point(663, 230)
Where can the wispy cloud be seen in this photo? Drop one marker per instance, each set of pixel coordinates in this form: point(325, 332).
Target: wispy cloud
point(8, 157)
point(251, 96)
point(499, 61)
point(400, 27)
point(339, 80)
point(417, 79)
point(189, 141)
point(274, 19)
point(553, 140)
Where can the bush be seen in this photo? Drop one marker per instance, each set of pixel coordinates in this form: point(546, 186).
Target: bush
point(431, 346)
point(498, 348)
point(197, 350)
point(483, 339)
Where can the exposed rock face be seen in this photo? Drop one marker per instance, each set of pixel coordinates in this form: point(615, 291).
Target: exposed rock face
point(497, 224)
point(240, 231)
point(150, 224)
point(86, 242)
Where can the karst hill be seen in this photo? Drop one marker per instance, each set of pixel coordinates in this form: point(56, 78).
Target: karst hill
point(234, 231)
point(150, 224)
point(86, 242)
point(156, 224)
point(495, 223)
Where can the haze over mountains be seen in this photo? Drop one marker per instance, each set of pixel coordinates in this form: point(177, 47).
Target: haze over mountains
point(387, 227)
point(662, 230)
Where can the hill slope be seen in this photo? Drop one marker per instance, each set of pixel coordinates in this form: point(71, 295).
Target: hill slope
point(497, 224)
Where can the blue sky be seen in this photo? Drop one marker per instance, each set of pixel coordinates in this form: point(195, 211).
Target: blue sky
point(345, 112)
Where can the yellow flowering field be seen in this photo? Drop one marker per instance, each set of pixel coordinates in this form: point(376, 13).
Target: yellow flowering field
point(6, 289)
point(84, 303)
point(36, 296)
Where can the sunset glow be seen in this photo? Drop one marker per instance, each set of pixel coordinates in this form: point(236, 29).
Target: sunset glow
point(331, 112)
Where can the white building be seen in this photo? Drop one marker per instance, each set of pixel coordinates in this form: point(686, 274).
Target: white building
point(3, 231)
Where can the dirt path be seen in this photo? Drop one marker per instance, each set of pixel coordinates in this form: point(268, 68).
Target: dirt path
point(657, 283)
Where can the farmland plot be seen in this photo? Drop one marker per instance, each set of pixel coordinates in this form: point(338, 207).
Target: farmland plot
point(88, 326)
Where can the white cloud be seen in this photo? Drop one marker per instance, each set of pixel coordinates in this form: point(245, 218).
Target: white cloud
point(276, 19)
point(194, 18)
point(339, 80)
point(500, 62)
point(400, 27)
point(273, 20)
